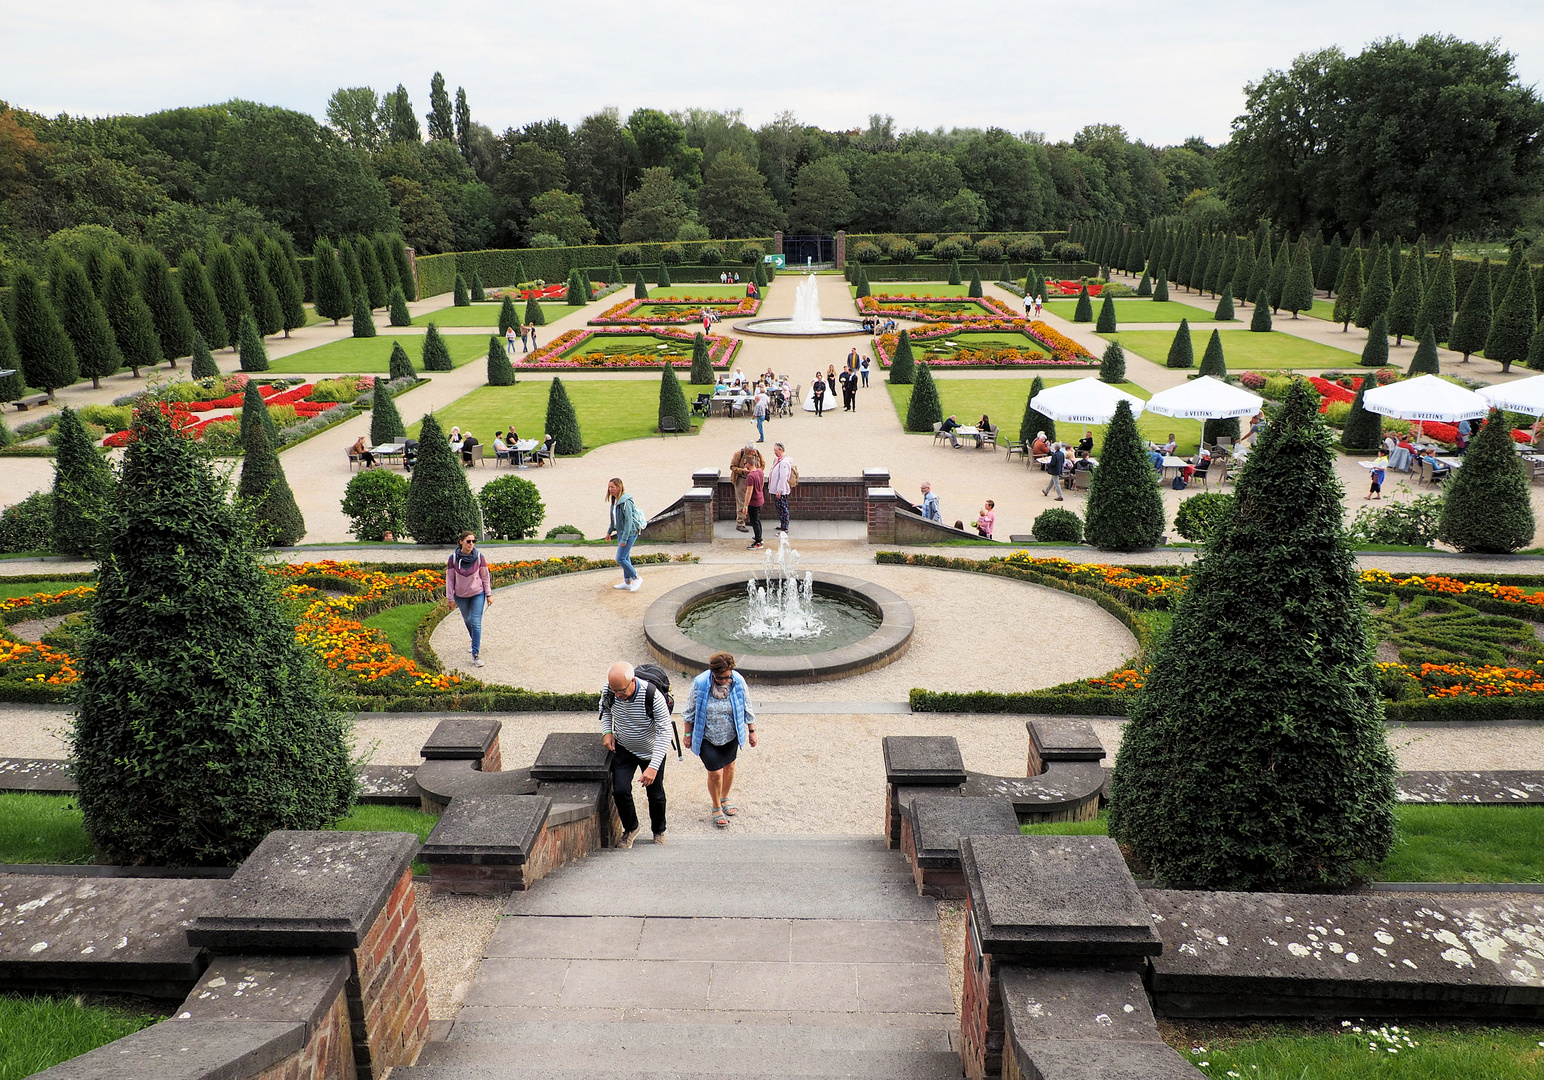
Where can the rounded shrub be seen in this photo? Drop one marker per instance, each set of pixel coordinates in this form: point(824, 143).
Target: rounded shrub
point(376, 503)
point(512, 508)
point(1067, 251)
point(565, 532)
point(865, 252)
point(751, 253)
point(1029, 248)
point(1058, 526)
point(948, 250)
point(902, 250)
point(710, 255)
point(629, 255)
point(989, 250)
point(672, 254)
point(28, 525)
point(925, 241)
point(1200, 514)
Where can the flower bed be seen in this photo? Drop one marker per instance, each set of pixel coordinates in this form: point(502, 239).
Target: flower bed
point(1072, 288)
point(554, 355)
point(1064, 352)
point(991, 308)
point(1447, 433)
point(691, 311)
point(555, 291)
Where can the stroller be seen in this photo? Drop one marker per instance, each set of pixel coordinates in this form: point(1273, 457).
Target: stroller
point(409, 454)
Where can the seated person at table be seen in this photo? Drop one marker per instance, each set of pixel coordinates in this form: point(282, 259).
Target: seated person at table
point(362, 452)
point(1042, 445)
point(721, 387)
point(455, 439)
point(500, 447)
point(467, 445)
point(1438, 469)
point(1156, 457)
point(1082, 464)
point(1167, 448)
point(1086, 443)
point(948, 429)
point(982, 427)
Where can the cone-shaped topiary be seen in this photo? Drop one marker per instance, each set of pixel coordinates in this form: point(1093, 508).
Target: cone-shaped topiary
point(1005, 272)
point(386, 259)
point(1181, 351)
point(1145, 286)
point(47, 356)
point(1106, 324)
point(1161, 287)
point(575, 294)
point(254, 355)
point(255, 414)
point(500, 371)
point(230, 292)
point(1440, 301)
point(862, 288)
point(1424, 362)
point(903, 366)
point(1471, 326)
point(954, 271)
point(1243, 271)
point(1112, 365)
point(1224, 311)
point(640, 288)
point(385, 421)
point(925, 409)
point(1363, 430)
point(397, 311)
point(1260, 321)
point(133, 324)
point(334, 298)
point(702, 363)
point(508, 316)
point(664, 276)
point(399, 366)
point(440, 505)
point(1405, 305)
point(269, 498)
point(84, 490)
point(173, 324)
point(85, 320)
point(534, 315)
point(202, 723)
point(463, 298)
point(1377, 291)
point(291, 296)
point(1328, 273)
point(262, 297)
point(1487, 507)
point(436, 355)
point(974, 288)
point(1514, 322)
point(1279, 271)
point(1084, 312)
point(1297, 289)
point(204, 366)
point(1212, 361)
point(348, 258)
point(370, 270)
point(762, 274)
point(1348, 289)
point(1278, 777)
point(1035, 422)
point(1125, 509)
point(364, 322)
point(476, 285)
point(672, 401)
point(1260, 277)
point(1376, 352)
point(562, 421)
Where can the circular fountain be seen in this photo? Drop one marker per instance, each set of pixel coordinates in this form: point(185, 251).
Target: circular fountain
point(782, 627)
point(806, 321)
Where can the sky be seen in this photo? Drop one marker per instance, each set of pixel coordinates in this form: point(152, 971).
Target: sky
point(1164, 76)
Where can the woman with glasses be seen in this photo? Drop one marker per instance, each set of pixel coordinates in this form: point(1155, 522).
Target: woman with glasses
point(719, 720)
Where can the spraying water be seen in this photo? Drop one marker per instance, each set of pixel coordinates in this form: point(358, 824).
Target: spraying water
point(782, 605)
point(806, 306)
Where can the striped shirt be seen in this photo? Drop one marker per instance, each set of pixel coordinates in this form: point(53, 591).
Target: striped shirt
point(644, 736)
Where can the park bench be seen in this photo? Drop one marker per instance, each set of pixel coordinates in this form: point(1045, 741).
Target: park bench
point(31, 401)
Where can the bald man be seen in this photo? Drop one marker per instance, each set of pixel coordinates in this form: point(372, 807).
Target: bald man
point(636, 721)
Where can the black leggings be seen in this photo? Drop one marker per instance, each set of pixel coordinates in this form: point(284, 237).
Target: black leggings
point(753, 519)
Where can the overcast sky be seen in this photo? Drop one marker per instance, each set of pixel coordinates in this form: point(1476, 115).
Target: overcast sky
point(1051, 68)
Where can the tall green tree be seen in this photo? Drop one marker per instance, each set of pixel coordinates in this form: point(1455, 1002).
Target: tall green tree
point(500, 371)
point(1106, 324)
point(1243, 271)
point(405, 269)
point(267, 493)
point(370, 270)
point(663, 278)
point(672, 401)
point(1212, 361)
point(1112, 365)
point(436, 355)
point(1181, 350)
point(534, 316)
point(203, 365)
point(255, 414)
point(1487, 507)
point(173, 324)
point(1377, 292)
point(1405, 306)
point(199, 298)
point(1279, 777)
point(84, 490)
point(1125, 510)
point(562, 421)
point(363, 323)
point(85, 320)
point(1160, 288)
point(1348, 289)
point(462, 295)
point(400, 366)
point(281, 275)
point(1514, 322)
point(954, 272)
point(702, 361)
point(1084, 312)
point(903, 365)
point(479, 293)
point(508, 316)
point(128, 314)
point(385, 421)
point(12, 386)
point(1440, 301)
point(1364, 429)
point(1424, 362)
point(1279, 271)
point(442, 124)
point(1328, 274)
point(440, 503)
point(1260, 276)
point(1297, 289)
point(640, 288)
point(386, 259)
point(975, 282)
point(230, 291)
point(924, 408)
point(1035, 421)
point(202, 723)
point(1260, 321)
point(254, 354)
point(399, 315)
point(1376, 352)
point(262, 297)
point(348, 259)
point(1535, 358)
point(1471, 326)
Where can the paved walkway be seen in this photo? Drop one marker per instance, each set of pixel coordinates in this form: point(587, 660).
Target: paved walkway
point(765, 956)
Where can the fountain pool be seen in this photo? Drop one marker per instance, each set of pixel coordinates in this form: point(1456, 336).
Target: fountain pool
point(807, 320)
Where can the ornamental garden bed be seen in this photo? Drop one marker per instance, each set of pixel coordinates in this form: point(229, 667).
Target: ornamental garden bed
point(1140, 310)
point(673, 310)
point(367, 356)
point(1043, 346)
point(625, 348)
point(1243, 349)
point(936, 308)
point(486, 313)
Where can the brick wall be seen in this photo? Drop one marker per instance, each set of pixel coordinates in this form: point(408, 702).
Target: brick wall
point(493, 760)
point(981, 1011)
point(327, 1055)
point(388, 1001)
point(554, 846)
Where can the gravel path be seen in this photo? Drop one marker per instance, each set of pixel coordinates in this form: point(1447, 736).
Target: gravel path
point(454, 933)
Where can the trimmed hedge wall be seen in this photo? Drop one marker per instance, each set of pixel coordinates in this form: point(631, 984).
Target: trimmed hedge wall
point(937, 271)
point(437, 273)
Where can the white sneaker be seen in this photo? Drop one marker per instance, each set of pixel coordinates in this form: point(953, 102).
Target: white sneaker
point(620, 585)
point(634, 585)
point(627, 838)
point(477, 661)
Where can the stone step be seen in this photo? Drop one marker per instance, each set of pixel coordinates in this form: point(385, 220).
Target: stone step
point(558, 1050)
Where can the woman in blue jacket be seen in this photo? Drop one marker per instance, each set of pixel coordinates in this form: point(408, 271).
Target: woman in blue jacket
point(719, 720)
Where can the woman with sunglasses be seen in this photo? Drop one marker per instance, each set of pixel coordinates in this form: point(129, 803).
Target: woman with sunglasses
point(719, 720)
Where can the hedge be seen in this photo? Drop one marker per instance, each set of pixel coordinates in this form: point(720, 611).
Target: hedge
point(496, 267)
point(936, 271)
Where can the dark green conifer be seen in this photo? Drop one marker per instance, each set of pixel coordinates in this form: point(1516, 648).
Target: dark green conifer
point(1112, 365)
point(1376, 352)
point(281, 275)
point(1161, 287)
point(575, 295)
point(84, 489)
point(1106, 324)
point(672, 401)
point(255, 414)
point(562, 421)
point(975, 282)
point(254, 355)
point(903, 366)
point(386, 260)
point(1363, 430)
point(1260, 276)
point(508, 316)
point(534, 314)
point(230, 291)
point(1243, 270)
point(204, 366)
point(128, 314)
point(478, 292)
point(1471, 326)
point(1405, 305)
point(1085, 309)
point(1424, 362)
point(1297, 289)
point(1224, 312)
point(85, 320)
point(396, 308)
point(1035, 421)
point(436, 355)
point(702, 362)
point(500, 371)
point(924, 409)
point(1181, 351)
point(46, 352)
point(1279, 271)
point(640, 288)
point(334, 298)
point(1487, 507)
point(1440, 302)
point(440, 504)
point(267, 493)
point(1260, 321)
point(954, 271)
point(1145, 286)
point(364, 322)
point(1514, 322)
point(385, 421)
point(1212, 361)
point(348, 258)
point(400, 366)
point(1328, 274)
point(463, 298)
point(370, 272)
point(664, 275)
point(173, 324)
point(1377, 292)
point(12, 386)
point(1125, 510)
point(262, 297)
point(863, 284)
point(405, 271)
point(1348, 289)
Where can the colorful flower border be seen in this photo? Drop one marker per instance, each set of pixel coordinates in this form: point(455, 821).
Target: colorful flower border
point(1448, 433)
point(691, 311)
point(1065, 353)
point(552, 356)
point(895, 306)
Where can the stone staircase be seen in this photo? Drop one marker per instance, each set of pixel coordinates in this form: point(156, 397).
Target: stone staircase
point(753, 957)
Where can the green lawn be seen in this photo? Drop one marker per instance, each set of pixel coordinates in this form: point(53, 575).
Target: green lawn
point(10, 589)
point(486, 313)
point(913, 288)
point(609, 410)
point(690, 292)
point(39, 1032)
point(1242, 348)
point(1363, 1050)
point(1003, 401)
point(1473, 844)
point(631, 343)
point(1137, 311)
point(977, 340)
point(1322, 309)
point(399, 623)
point(365, 356)
point(377, 818)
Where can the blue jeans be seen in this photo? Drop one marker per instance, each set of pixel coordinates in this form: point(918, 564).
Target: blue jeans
point(761, 436)
point(624, 557)
point(471, 614)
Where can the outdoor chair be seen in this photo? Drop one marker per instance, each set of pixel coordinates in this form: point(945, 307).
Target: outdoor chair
point(476, 453)
point(989, 440)
point(545, 453)
point(669, 426)
point(353, 458)
point(1021, 448)
point(938, 432)
point(506, 457)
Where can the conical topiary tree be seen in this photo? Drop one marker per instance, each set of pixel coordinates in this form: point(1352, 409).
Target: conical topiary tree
point(269, 499)
point(1125, 509)
point(1363, 430)
point(1212, 361)
point(370, 270)
point(1181, 350)
point(1033, 421)
point(1243, 271)
point(500, 371)
point(1487, 506)
point(1348, 289)
point(396, 308)
point(1405, 305)
point(1112, 365)
point(1161, 287)
point(230, 291)
point(1424, 362)
point(1106, 323)
point(1260, 321)
point(702, 363)
point(281, 274)
point(204, 366)
point(924, 410)
point(364, 322)
point(198, 297)
point(576, 290)
point(863, 288)
point(1280, 776)
point(508, 316)
point(463, 298)
point(85, 321)
point(562, 421)
point(1084, 312)
point(254, 356)
point(202, 723)
point(334, 298)
point(84, 490)
point(903, 366)
point(173, 324)
point(255, 414)
point(436, 355)
point(975, 282)
point(385, 421)
point(476, 284)
point(672, 401)
point(1514, 322)
point(1297, 289)
point(348, 258)
point(399, 366)
point(128, 314)
point(46, 353)
point(385, 258)
point(534, 315)
point(954, 271)
point(1471, 326)
point(1328, 272)
point(262, 297)
point(440, 504)
point(664, 276)
point(1260, 276)
point(1377, 292)
point(1145, 286)
point(1440, 302)
point(1376, 352)
point(1224, 312)
point(640, 288)
point(1279, 271)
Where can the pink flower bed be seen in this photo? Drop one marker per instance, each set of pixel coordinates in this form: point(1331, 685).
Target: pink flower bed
point(546, 292)
point(550, 357)
point(691, 311)
point(896, 306)
point(1064, 352)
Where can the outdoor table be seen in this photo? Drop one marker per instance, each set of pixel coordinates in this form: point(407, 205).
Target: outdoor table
point(522, 448)
point(1452, 462)
point(1172, 464)
point(1070, 459)
point(723, 404)
point(388, 451)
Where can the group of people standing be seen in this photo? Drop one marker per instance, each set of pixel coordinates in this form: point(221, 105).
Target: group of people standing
point(853, 375)
point(527, 338)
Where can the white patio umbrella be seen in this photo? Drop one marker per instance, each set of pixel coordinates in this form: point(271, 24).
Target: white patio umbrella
point(1426, 397)
point(1524, 396)
point(1084, 401)
point(1205, 398)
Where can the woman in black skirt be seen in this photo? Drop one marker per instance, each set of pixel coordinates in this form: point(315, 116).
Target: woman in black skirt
point(719, 720)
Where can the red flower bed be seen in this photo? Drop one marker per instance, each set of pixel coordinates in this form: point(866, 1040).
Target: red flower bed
point(550, 357)
point(1071, 288)
point(1447, 433)
point(1064, 352)
point(546, 292)
point(691, 311)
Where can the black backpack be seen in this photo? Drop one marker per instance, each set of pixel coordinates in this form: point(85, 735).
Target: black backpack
point(655, 678)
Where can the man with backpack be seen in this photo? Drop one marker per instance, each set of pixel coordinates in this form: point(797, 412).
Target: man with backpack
point(635, 719)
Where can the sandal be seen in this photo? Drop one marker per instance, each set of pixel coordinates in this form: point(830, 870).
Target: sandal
point(729, 808)
point(720, 820)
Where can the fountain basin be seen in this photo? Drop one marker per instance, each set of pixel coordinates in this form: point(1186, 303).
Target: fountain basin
point(792, 328)
point(887, 643)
